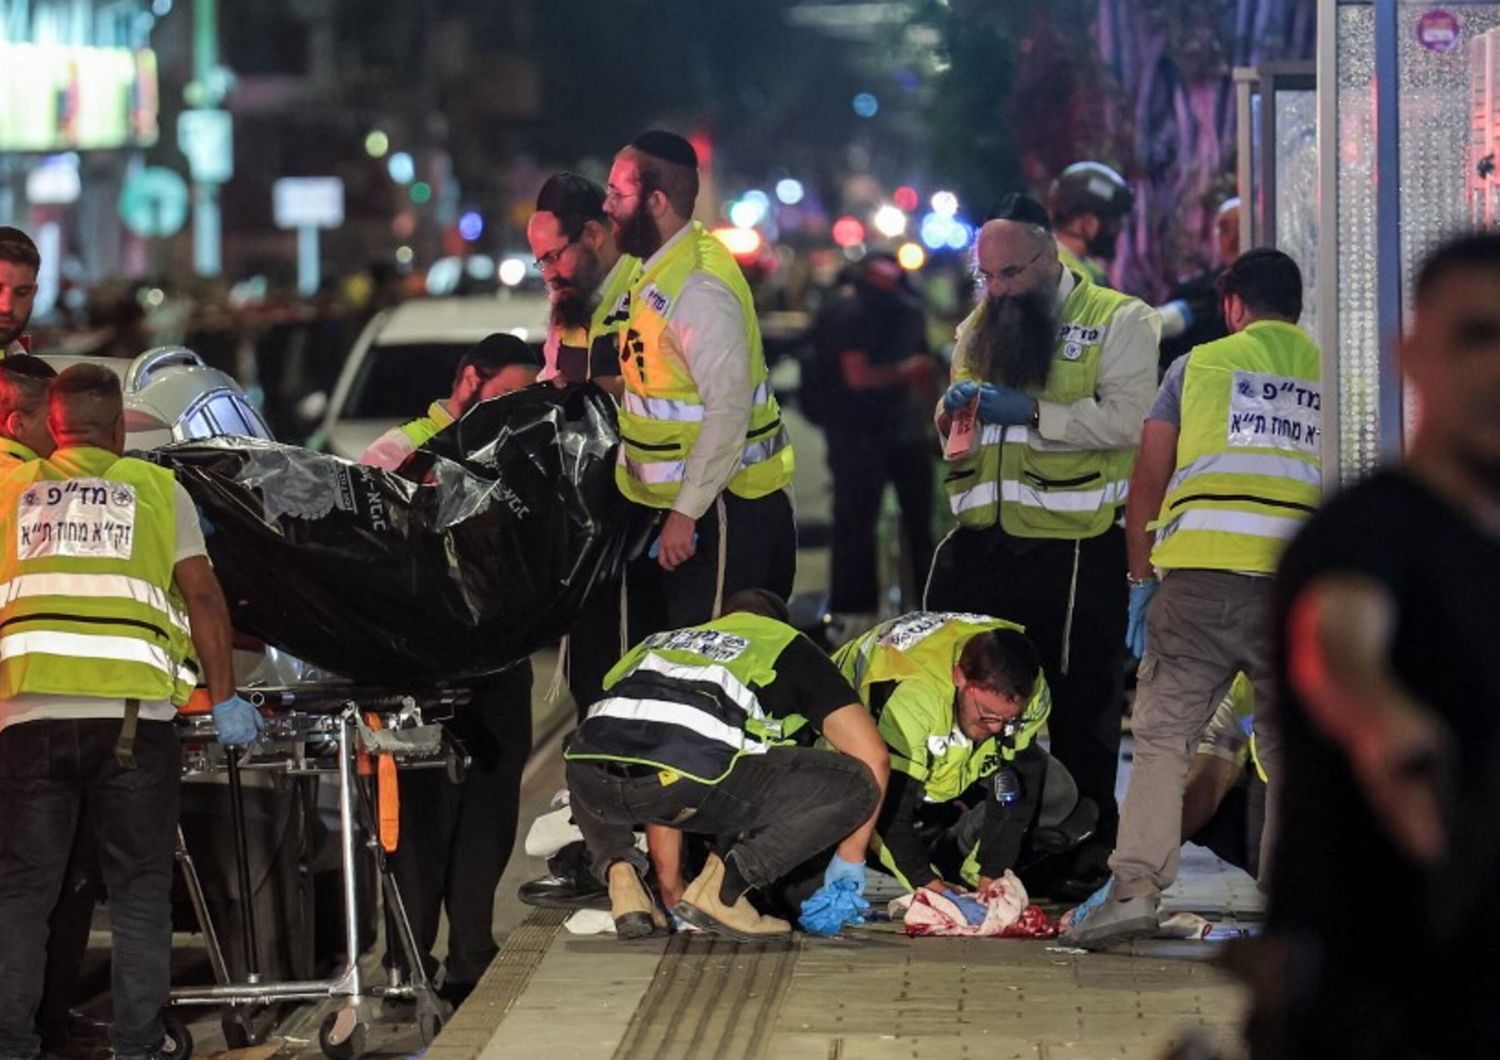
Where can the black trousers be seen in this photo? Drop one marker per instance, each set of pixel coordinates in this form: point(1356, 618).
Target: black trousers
point(68, 932)
point(862, 463)
point(456, 838)
point(779, 808)
point(1031, 581)
point(760, 552)
point(50, 773)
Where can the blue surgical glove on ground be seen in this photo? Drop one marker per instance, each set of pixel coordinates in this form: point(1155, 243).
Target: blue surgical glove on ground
point(839, 869)
point(959, 395)
point(832, 906)
point(972, 908)
point(1135, 625)
point(1004, 406)
point(237, 722)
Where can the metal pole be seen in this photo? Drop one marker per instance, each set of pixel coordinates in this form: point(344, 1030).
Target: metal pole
point(346, 847)
point(1388, 297)
point(1328, 242)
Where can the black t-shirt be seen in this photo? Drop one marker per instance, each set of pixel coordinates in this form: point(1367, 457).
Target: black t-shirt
point(1336, 874)
point(807, 683)
point(887, 327)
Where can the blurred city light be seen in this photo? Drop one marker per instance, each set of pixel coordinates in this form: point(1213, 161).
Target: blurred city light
point(959, 235)
point(421, 192)
point(741, 241)
point(161, 8)
point(906, 197)
point(746, 213)
point(481, 267)
point(848, 232)
point(935, 230)
point(443, 276)
point(911, 257)
point(789, 191)
point(471, 225)
point(402, 168)
point(758, 197)
point(512, 271)
point(890, 221)
point(945, 204)
point(404, 255)
point(866, 105)
point(377, 144)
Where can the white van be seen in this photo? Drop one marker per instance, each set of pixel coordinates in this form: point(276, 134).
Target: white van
point(405, 359)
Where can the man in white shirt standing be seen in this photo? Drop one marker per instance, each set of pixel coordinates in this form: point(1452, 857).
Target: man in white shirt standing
point(701, 434)
point(1062, 371)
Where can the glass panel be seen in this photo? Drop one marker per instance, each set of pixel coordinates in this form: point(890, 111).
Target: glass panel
point(1297, 191)
point(1359, 342)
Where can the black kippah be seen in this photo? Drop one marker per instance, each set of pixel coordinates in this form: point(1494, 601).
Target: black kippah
point(499, 350)
point(1021, 208)
point(570, 195)
point(669, 147)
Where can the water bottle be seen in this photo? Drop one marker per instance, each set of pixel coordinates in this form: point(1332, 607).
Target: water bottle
point(1007, 786)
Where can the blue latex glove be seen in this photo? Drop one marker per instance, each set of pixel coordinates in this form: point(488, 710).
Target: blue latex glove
point(1135, 625)
point(1092, 902)
point(236, 722)
point(654, 552)
point(830, 907)
point(959, 395)
point(1004, 406)
point(839, 869)
point(972, 908)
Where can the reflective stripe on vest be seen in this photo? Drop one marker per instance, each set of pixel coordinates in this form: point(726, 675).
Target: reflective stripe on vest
point(662, 412)
point(87, 603)
point(685, 700)
point(1248, 470)
point(1032, 490)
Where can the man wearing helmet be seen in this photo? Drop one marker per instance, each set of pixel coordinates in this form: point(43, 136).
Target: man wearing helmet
point(1088, 203)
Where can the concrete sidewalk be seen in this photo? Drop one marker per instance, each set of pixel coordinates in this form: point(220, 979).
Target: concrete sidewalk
point(878, 994)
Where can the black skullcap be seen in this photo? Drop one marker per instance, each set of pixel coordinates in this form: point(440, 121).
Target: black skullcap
point(1021, 208)
point(500, 350)
point(669, 147)
point(568, 196)
point(28, 365)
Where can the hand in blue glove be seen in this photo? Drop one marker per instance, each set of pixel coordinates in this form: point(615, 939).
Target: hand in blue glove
point(236, 722)
point(1004, 406)
point(839, 869)
point(959, 395)
point(972, 908)
point(1135, 626)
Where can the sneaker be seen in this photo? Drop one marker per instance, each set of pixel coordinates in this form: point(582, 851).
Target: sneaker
point(1101, 923)
point(702, 907)
point(634, 910)
point(568, 885)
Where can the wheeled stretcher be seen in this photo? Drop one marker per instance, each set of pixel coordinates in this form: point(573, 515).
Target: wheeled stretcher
point(322, 730)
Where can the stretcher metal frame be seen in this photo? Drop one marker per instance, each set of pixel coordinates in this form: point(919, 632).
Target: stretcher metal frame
point(298, 720)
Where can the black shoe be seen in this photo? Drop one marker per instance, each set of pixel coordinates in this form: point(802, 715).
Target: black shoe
point(569, 884)
point(76, 1036)
point(455, 993)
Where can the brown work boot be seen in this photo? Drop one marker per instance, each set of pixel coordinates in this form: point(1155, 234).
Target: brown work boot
point(636, 915)
point(702, 907)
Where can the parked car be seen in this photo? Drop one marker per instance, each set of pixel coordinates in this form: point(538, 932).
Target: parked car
point(405, 358)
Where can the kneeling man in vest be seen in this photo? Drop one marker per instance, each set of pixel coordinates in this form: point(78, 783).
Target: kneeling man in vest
point(958, 699)
point(109, 604)
point(690, 735)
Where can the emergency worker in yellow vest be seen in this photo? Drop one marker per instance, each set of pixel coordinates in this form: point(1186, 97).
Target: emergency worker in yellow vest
point(588, 282)
point(958, 700)
point(111, 612)
point(495, 365)
point(1228, 472)
point(1064, 371)
point(19, 264)
point(694, 734)
point(1088, 204)
point(701, 436)
point(24, 384)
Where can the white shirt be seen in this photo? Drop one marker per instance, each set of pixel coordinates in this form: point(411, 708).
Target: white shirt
point(708, 326)
point(36, 706)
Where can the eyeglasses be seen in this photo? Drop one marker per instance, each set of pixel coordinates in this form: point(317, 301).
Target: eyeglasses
point(552, 257)
point(1009, 274)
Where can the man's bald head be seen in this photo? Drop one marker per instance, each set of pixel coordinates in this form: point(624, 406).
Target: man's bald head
point(86, 407)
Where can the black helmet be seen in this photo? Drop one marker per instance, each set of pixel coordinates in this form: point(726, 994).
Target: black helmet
point(1089, 187)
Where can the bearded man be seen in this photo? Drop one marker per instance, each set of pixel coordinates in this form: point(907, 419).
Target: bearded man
point(1063, 371)
point(588, 282)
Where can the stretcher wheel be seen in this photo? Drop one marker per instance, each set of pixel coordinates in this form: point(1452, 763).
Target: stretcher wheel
point(178, 1043)
point(239, 1029)
point(342, 1035)
point(428, 1026)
